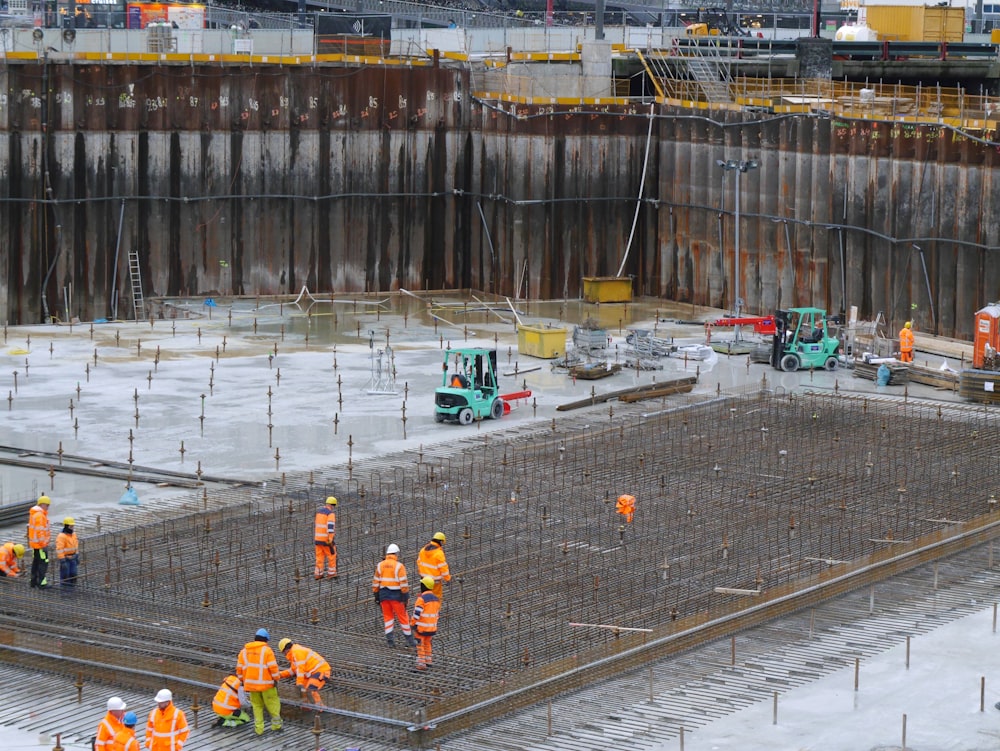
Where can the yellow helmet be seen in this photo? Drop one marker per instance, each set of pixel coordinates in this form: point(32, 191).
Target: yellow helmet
point(18, 550)
point(439, 536)
point(44, 500)
point(331, 501)
point(69, 521)
point(428, 582)
point(284, 644)
point(907, 325)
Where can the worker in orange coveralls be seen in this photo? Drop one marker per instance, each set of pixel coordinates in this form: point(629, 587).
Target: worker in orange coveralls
point(425, 621)
point(325, 531)
point(906, 343)
point(10, 553)
point(392, 592)
point(110, 726)
point(258, 670)
point(431, 562)
point(39, 536)
point(310, 670)
point(626, 507)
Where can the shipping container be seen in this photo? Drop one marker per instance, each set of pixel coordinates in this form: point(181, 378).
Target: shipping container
point(916, 23)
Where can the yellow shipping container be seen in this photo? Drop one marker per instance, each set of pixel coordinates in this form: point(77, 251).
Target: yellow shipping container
point(545, 342)
point(917, 23)
point(607, 288)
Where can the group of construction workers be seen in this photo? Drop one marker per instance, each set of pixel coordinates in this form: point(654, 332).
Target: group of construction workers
point(39, 536)
point(256, 679)
point(390, 585)
point(166, 727)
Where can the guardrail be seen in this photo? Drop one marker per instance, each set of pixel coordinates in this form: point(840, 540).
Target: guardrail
point(883, 50)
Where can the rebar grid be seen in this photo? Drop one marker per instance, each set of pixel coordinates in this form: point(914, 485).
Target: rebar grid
point(752, 492)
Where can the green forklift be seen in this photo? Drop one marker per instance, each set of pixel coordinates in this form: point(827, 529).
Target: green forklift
point(469, 389)
point(802, 340)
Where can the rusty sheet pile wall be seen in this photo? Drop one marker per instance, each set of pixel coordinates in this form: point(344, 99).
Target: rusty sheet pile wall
point(756, 492)
point(262, 179)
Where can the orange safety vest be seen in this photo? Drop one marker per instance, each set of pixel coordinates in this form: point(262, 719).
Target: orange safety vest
point(431, 562)
point(107, 731)
point(8, 560)
point(906, 340)
point(227, 698)
point(257, 667)
point(304, 662)
point(390, 579)
point(125, 741)
point(38, 527)
point(167, 729)
point(66, 545)
point(425, 613)
point(325, 526)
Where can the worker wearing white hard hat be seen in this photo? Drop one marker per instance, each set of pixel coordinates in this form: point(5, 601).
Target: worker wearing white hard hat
point(392, 592)
point(110, 725)
point(166, 728)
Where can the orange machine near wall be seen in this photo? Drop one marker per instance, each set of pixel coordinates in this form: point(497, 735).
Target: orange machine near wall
point(986, 342)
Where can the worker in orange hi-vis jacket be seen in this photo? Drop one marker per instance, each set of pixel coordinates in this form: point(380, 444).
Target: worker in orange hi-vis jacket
point(626, 507)
point(906, 343)
point(110, 725)
point(10, 555)
point(425, 620)
point(324, 534)
point(166, 728)
point(392, 592)
point(311, 671)
point(432, 562)
point(39, 536)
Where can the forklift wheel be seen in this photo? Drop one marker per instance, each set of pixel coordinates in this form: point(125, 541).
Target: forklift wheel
point(438, 417)
point(789, 363)
point(465, 416)
point(496, 409)
point(831, 363)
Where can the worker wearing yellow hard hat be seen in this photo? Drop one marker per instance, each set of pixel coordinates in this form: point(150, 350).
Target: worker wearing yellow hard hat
point(431, 562)
point(68, 553)
point(425, 621)
point(311, 671)
point(906, 343)
point(324, 535)
point(39, 536)
point(10, 553)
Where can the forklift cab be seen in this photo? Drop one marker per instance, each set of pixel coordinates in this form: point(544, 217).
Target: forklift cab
point(802, 340)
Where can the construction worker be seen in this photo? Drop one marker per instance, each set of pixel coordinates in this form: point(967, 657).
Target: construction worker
point(258, 670)
point(110, 726)
point(626, 507)
point(67, 553)
point(431, 562)
point(311, 671)
point(324, 533)
point(166, 728)
point(425, 620)
point(10, 555)
point(39, 536)
point(392, 592)
point(125, 739)
point(906, 343)
point(229, 702)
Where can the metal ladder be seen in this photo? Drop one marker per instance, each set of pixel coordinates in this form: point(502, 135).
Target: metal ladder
point(135, 274)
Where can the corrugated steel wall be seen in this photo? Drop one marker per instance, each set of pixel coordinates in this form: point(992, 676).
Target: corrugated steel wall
point(259, 180)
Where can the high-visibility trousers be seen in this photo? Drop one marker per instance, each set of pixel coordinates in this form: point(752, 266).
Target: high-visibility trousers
point(270, 700)
point(423, 650)
point(394, 609)
point(326, 559)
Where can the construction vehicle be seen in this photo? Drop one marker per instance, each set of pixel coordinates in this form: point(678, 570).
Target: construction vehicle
point(802, 340)
point(712, 22)
point(469, 391)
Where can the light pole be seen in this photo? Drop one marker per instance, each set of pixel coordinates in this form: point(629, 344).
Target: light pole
point(738, 167)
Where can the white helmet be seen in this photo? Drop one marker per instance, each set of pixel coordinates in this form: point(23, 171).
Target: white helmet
point(393, 548)
point(164, 695)
point(115, 704)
